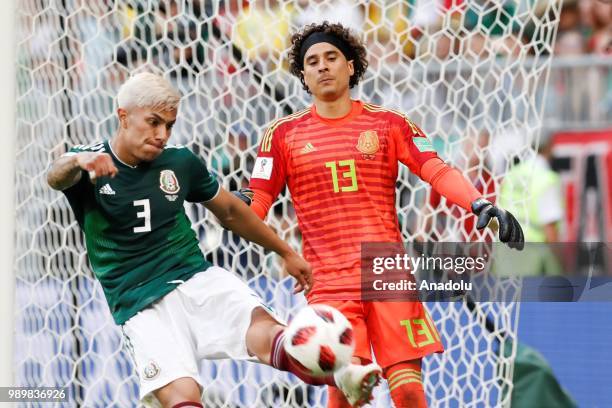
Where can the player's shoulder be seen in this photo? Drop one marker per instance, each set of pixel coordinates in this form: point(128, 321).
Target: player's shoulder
point(179, 161)
point(177, 154)
point(395, 118)
point(290, 121)
point(382, 112)
point(279, 127)
point(177, 150)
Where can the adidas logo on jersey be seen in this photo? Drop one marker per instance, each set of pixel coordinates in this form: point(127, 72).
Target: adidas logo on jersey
point(308, 148)
point(107, 189)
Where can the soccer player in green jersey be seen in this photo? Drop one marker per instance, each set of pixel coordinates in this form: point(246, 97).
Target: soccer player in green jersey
point(173, 306)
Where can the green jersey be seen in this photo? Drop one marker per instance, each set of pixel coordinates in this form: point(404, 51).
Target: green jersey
point(139, 239)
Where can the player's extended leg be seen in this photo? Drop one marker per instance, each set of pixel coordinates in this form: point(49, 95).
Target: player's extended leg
point(405, 384)
point(261, 334)
point(265, 340)
point(180, 393)
point(402, 333)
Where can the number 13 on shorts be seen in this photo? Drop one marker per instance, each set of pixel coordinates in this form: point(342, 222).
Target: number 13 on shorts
point(420, 332)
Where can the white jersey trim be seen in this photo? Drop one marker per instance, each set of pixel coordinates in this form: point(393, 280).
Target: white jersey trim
point(117, 157)
point(215, 196)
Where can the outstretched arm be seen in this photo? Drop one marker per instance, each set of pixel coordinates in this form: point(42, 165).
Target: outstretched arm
point(239, 218)
point(416, 151)
point(450, 183)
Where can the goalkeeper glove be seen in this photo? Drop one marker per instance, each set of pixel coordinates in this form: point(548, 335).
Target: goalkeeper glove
point(510, 230)
point(245, 195)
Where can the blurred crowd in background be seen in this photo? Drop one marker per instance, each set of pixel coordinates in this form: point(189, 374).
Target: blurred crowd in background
point(202, 42)
point(394, 29)
point(468, 72)
point(585, 28)
point(191, 37)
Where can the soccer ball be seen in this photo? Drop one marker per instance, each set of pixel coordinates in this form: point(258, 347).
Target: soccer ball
point(320, 338)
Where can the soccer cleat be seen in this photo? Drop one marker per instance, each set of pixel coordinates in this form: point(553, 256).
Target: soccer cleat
point(357, 382)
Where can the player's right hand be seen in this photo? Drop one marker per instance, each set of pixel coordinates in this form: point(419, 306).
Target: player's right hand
point(97, 164)
point(510, 230)
point(300, 269)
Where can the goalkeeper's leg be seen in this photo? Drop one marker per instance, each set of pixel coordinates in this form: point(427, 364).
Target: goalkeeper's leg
point(402, 333)
point(405, 384)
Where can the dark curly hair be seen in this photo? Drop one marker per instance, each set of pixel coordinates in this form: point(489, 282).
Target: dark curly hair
point(360, 63)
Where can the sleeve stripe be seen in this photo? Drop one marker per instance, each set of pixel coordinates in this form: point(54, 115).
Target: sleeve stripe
point(94, 147)
point(266, 142)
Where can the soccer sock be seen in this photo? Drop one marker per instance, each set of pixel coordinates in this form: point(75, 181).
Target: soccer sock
point(284, 362)
point(188, 404)
point(405, 384)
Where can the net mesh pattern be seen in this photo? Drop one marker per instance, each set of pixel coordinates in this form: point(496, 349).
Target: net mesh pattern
point(471, 74)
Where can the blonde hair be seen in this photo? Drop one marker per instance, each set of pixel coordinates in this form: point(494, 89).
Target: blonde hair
point(148, 90)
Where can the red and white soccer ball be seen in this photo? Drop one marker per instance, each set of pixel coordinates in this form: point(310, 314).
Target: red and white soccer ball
point(320, 338)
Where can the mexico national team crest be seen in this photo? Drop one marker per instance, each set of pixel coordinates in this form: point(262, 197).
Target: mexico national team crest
point(168, 182)
point(368, 144)
point(151, 370)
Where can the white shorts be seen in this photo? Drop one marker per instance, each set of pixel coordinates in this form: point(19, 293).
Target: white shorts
point(207, 317)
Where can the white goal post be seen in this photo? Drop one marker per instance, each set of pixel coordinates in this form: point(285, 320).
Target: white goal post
point(7, 202)
point(472, 74)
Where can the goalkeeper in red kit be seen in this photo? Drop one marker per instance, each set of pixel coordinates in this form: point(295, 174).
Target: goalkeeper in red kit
point(339, 159)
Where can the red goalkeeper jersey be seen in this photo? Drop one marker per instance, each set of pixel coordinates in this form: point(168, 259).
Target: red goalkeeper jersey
point(341, 174)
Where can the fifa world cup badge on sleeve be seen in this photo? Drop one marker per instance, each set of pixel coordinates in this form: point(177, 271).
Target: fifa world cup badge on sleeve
point(169, 184)
point(423, 144)
point(263, 168)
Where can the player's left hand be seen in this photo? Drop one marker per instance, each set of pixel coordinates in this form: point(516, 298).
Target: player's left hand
point(510, 230)
point(300, 269)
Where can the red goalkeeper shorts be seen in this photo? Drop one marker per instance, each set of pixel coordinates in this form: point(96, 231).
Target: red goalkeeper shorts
point(396, 331)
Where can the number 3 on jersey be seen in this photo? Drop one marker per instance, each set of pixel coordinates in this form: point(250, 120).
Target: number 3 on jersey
point(145, 213)
point(350, 174)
